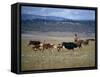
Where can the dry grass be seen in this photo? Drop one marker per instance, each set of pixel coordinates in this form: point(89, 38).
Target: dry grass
point(51, 59)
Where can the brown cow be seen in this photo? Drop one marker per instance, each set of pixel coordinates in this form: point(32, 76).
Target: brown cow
point(91, 39)
point(47, 46)
point(79, 43)
point(85, 42)
point(36, 47)
point(34, 42)
point(82, 42)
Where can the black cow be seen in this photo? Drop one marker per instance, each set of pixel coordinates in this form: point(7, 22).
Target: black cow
point(69, 45)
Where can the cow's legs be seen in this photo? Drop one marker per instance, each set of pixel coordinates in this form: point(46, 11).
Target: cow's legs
point(43, 49)
point(73, 49)
point(58, 49)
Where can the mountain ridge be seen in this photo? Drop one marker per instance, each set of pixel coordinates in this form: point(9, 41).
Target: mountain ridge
point(52, 18)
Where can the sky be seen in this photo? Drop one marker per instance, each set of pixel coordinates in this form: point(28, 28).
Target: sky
point(75, 14)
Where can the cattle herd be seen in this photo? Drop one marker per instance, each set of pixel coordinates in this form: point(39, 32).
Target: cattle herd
point(38, 45)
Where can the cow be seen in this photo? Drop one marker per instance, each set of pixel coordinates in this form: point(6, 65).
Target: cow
point(79, 43)
point(91, 39)
point(47, 46)
point(69, 45)
point(36, 45)
point(85, 42)
point(34, 42)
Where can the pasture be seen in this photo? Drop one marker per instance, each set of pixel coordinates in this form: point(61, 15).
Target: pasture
point(52, 59)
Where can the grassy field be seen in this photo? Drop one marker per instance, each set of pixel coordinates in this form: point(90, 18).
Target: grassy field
point(51, 59)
